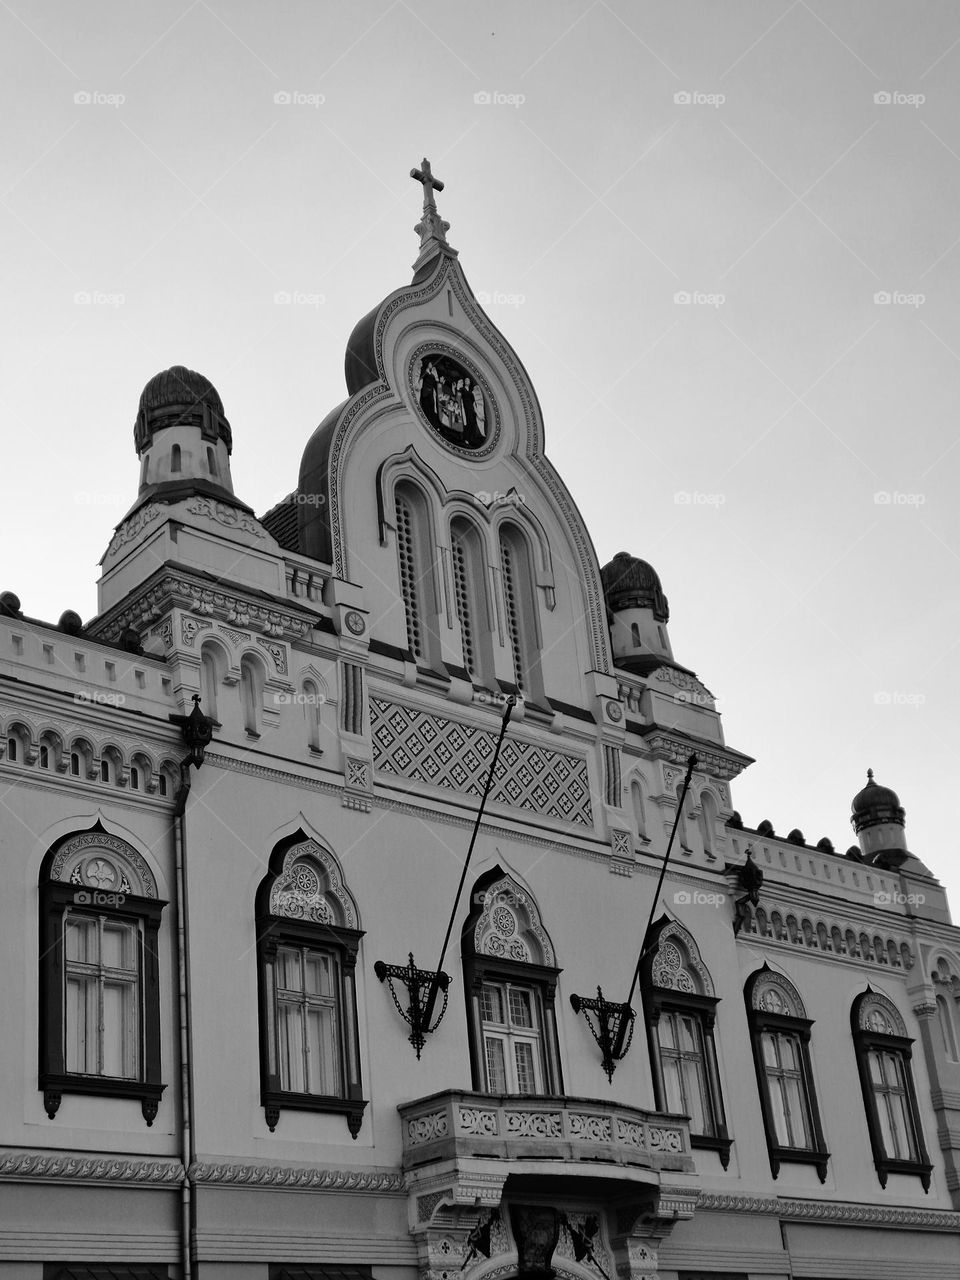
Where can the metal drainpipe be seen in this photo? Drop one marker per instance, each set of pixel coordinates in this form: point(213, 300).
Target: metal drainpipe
point(188, 1146)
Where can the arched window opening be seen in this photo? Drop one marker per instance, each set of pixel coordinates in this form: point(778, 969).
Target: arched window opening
point(211, 461)
point(308, 939)
point(162, 784)
point(469, 577)
point(13, 749)
point(510, 976)
point(680, 1007)
point(883, 1052)
point(635, 634)
point(134, 778)
point(175, 459)
point(212, 666)
point(709, 818)
point(780, 1035)
point(520, 600)
point(639, 809)
point(74, 764)
point(948, 1032)
point(312, 702)
point(417, 585)
point(99, 973)
point(44, 756)
point(251, 693)
point(104, 770)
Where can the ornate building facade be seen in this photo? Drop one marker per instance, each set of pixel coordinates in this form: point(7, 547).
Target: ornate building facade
point(238, 806)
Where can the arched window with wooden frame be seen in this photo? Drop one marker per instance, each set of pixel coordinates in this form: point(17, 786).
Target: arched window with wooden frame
point(780, 1035)
point(308, 937)
point(213, 666)
point(520, 611)
point(680, 1010)
point(510, 975)
point(883, 1052)
point(417, 567)
point(252, 681)
point(470, 579)
point(99, 973)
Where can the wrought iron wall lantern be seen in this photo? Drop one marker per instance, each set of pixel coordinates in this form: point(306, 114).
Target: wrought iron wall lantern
point(422, 986)
point(611, 1025)
point(197, 731)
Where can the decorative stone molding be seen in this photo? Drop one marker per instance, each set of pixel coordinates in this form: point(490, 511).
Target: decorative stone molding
point(134, 526)
point(28, 1166)
point(223, 513)
point(830, 936)
point(831, 1211)
point(311, 1178)
point(722, 763)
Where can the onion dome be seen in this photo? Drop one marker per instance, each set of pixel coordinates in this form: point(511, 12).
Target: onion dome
point(178, 397)
point(874, 805)
point(629, 583)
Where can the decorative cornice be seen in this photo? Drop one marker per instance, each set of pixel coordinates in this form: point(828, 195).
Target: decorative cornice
point(832, 1211)
point(30, 1166)
point(718, 762)
point(273, 775)
point(380, 1182)
point(182, 590)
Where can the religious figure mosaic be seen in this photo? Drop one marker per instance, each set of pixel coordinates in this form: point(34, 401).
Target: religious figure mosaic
point(452, 401)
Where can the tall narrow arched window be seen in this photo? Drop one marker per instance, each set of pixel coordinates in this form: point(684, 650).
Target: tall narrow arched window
point(883, 1052)
point(175, 459)
point(639, 809)
point(473, 609)
point(510, 975)
point(780, 1033)
point(312, 700)
point(520, 606)
point(680, 1008)
point(211, 673)
point(211, 461)
point(251, 693)
point(948, 1032)
point(308, 936)
point(417, 575)
point(709, 818)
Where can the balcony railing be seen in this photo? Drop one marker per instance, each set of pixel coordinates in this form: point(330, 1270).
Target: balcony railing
point(454, 1125)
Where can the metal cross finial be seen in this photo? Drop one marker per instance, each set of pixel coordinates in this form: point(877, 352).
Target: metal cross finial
point(431, 226)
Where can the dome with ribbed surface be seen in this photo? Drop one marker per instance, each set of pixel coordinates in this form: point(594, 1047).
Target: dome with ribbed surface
point(875, 804)
point(180, 397)
point(629, 583)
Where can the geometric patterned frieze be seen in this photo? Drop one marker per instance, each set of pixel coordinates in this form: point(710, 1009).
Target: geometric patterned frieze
point(447, 753)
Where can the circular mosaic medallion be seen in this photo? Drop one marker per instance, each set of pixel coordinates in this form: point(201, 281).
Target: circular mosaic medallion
point(452, 400)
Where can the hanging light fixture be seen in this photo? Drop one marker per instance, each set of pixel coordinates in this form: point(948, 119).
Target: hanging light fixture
point(419, 984)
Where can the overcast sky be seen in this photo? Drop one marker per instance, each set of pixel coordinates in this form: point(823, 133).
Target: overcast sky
point(781, 445)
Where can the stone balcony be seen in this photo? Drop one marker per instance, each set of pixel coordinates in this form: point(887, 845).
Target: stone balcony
point(478, 1127)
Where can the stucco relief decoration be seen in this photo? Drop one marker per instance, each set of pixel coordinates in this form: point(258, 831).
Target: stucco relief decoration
point(590, 1128)
point(533, 1124)
point(453, 398)
point(409, 743)
point(103, 864)
point(880, 1015)
point(668, 970)
point(189, 629)
point(509, 926)
point(475, 1122)
point(427, 1128)
point(226, 515)
point(773, 993)
point(677, 965)
point(278, 653)
point(132, 527)
point(165, 633)
point(666, 1140)
point(310, 887)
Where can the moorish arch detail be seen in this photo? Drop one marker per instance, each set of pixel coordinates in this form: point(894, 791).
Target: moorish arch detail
point(309, 886)
point(677, 965)
point(510, 927)
point(102, 863)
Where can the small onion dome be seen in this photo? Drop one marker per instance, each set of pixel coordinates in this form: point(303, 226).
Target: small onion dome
point(10, 605)
point(629, 583)
point(766, 828)
point(874, 805)
point(178, 397)
point(796, 836)
point(825, 845)
point(735, 821)
point(70, 622)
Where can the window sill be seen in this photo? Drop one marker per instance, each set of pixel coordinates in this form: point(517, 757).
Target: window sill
point(912, 1168)
point(275, 1102)
point(55, 1086)
point(799, 1155)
